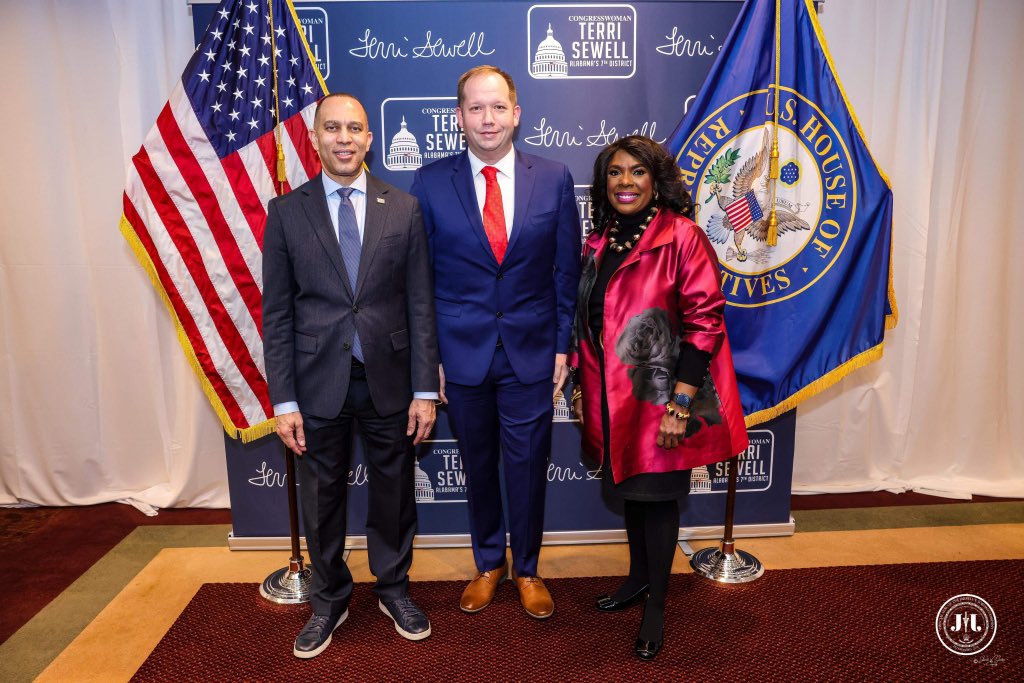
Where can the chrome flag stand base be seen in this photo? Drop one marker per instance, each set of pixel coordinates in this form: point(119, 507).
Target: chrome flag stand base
point(726, 564)
point(290, 585)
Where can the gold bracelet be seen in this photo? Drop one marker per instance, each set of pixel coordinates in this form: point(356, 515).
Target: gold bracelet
point(681, 414)
point(577, 394)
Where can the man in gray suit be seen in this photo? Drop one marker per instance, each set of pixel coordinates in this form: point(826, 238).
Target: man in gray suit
point(349, 338)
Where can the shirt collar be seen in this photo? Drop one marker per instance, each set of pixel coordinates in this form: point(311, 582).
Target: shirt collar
point(331, 186)
point(506, 165)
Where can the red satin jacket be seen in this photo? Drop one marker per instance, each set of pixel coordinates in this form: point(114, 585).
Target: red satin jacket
point(665, 293)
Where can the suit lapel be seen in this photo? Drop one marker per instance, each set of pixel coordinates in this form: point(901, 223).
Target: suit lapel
point(524, 189)
point(376, 219)
point(319, 217)
point(462, 179)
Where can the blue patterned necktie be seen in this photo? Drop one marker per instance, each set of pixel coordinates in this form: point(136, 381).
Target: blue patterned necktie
point(351, 246)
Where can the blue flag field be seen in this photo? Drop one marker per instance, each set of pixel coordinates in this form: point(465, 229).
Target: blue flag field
point(796, 207)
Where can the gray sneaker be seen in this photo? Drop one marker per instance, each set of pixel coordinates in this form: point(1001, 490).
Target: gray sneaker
point(315, 636)
point(410, 621)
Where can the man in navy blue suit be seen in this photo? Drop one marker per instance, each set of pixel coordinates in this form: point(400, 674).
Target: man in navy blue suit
point(504, 237)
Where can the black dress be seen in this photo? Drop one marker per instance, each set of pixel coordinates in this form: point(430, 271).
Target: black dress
point(692, 366)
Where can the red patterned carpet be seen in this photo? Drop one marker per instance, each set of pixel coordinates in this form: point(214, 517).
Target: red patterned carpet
point(865, 623)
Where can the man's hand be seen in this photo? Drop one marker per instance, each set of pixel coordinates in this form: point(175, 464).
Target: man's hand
point(671, 431)
point(289, 428)
point(422, 414)
point(440, 393)
point(560, 375)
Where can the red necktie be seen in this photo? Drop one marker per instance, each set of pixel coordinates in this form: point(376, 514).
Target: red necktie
point(494, 214)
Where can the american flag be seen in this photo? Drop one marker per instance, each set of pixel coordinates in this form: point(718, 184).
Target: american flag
point(744, 211)
point(196, 199)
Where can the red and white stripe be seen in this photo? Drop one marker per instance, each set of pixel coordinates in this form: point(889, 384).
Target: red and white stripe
point(740, 216)
point(200, 219)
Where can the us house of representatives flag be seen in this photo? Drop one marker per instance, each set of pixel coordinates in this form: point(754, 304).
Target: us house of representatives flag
point(233, 134)
point(798, 211)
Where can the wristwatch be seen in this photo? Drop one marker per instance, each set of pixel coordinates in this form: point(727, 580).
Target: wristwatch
point(682, 400)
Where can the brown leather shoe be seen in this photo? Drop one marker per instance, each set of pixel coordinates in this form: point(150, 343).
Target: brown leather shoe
point(535, 596)
point(480, 591)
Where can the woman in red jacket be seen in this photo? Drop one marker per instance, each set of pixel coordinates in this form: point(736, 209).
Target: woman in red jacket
point(656, 388)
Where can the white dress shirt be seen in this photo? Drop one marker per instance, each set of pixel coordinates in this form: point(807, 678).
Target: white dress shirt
point(358, 199)
point(506, 181)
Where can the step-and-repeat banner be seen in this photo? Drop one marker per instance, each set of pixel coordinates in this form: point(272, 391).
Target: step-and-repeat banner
point(586, 74)
point(574, 501)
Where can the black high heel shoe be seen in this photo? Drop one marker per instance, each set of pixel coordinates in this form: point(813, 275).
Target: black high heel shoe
point(647, 650)
point(606, 603)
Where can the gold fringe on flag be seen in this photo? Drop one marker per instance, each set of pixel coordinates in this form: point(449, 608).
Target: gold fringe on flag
point(815, 387)
point(875, 352)
point(142, 256)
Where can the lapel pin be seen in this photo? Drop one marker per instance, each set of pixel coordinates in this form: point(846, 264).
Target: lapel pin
point(380, 200)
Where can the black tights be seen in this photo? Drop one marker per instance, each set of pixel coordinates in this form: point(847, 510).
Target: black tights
point(652, 529)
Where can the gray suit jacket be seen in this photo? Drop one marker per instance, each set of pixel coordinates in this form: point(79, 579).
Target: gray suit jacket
point(310, 313)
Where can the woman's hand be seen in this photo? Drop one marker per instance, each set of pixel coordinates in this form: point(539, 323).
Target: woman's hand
point(670, 431)
point(577, 409)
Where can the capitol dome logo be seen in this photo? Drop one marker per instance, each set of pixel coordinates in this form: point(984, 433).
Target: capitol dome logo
point(438, 476)
point(404, 152)
point(549, 60)
point(700, 480)
point(593, 41)
point(427, 129)
point(754, 468)
point(562, 411)
point(424, 490)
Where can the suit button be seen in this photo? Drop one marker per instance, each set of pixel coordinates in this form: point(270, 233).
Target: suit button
point(500, 314)
point(347, 346)
point(355, 309)
point(501, 276)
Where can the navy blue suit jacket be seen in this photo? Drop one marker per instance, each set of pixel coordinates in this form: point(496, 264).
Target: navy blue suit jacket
point(530, 299)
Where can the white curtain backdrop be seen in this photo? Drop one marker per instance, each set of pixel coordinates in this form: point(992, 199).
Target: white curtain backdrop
point(97, 402)
point(937, 87)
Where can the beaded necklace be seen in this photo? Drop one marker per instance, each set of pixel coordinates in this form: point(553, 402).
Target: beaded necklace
point(613, 233)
